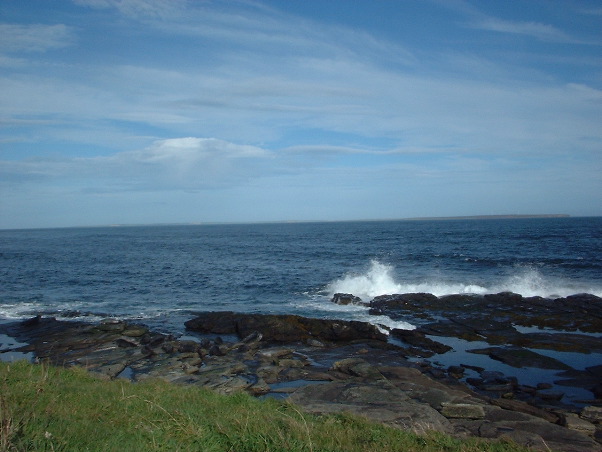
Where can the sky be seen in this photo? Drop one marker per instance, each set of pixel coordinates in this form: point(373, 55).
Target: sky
point(192, 111)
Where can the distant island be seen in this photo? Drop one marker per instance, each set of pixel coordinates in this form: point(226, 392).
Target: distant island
point(493, 217)
point(216, 223)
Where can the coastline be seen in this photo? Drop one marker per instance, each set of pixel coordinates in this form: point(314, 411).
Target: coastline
point(315, 363)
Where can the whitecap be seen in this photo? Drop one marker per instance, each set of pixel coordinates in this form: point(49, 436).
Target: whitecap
point(528, 281)
point(379, 280)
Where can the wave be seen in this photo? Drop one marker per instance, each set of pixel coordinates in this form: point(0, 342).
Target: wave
point(319, 306)
point(380, 279)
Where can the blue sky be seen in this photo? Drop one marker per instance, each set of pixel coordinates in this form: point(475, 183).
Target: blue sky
point(169, 111)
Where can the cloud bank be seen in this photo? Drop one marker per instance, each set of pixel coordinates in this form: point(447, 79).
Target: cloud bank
point(481, 109)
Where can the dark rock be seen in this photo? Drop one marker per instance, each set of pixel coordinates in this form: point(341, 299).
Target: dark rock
point(147, 350)
point(315, 343)
point(214, 322)
point(153, 339)
point(549, 395)
point(475, 368)
point(475, 381)
point(125, 343)
point(592, 414)
point(462, 411)
point(347, 298)
point(205, 343)
point(522, 407)
point(526, 389)
point(284, 328)
point(168, 347)
point(436, 373)
point(34, 321)
point(504, 298)
point(188, 346)
point(255, 336)
point(574, 422)
point(407, 301)
point(596, 371)
point(521, 357)
point(359, 368)
point(378, 401)
point(562, 342)
point(447, 328)
point(218, 350)
point(499, 387)
point(111, 326)
point(135, 330)
point(419, 339)
point(455, 371)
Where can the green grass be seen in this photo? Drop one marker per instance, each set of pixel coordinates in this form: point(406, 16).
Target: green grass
point(44, 408)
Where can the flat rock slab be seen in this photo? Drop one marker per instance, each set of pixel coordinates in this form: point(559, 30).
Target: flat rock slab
point(283, 328)
point(378, 401)
point(495, 312)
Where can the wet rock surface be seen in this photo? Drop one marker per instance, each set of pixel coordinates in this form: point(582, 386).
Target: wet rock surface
point(332, 366)
point(530, 333)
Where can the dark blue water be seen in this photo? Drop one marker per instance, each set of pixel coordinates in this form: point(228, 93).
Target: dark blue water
point(161, 274)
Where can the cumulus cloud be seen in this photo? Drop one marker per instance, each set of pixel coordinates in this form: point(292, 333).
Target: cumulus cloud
point(177, 163)
point(190, 163)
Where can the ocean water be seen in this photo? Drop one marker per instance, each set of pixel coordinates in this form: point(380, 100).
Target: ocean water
point(161, 275)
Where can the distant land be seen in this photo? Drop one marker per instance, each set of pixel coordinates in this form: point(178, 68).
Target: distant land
point(467, 217)
point(493, 217)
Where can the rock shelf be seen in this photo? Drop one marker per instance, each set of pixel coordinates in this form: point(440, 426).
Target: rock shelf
point(328, 366)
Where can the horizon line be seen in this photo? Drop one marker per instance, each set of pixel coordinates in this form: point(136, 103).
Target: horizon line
point(209, 223)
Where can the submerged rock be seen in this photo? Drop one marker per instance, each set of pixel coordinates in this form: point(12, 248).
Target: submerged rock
point(418, 339)
point(521, 357)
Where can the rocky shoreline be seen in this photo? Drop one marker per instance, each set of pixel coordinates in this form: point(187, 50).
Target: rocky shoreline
point(327, 366)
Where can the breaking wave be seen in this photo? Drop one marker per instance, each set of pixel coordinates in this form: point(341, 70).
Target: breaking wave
point(380, 279)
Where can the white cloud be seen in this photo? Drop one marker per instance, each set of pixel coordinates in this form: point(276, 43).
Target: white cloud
point(295, 104)
point(157, 9)
point(177, 163)
point(34, 37)
point(544, 32)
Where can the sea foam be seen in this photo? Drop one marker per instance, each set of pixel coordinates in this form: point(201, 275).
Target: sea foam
point(380, 279)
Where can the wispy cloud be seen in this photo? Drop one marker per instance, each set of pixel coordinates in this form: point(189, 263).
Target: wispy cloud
point(140, 9)
point(34, 38)
point(121, 96)
point(540, 31)
point(546, 32)
point(591, 11)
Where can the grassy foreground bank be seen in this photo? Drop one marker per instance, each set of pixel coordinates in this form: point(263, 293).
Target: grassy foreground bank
point(43, 408)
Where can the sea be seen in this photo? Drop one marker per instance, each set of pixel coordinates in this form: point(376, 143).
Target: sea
point(162, 275)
